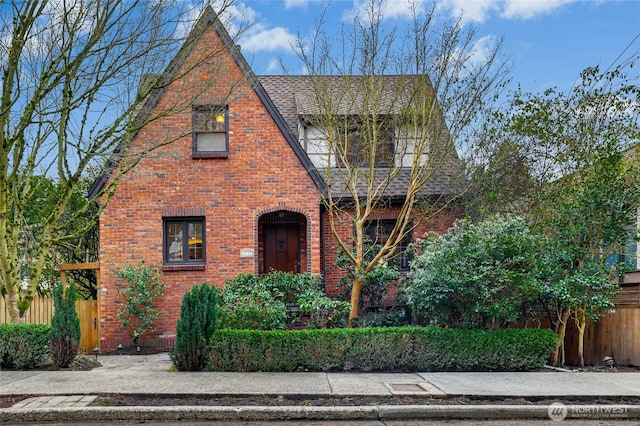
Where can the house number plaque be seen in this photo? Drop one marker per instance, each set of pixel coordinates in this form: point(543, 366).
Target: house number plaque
point(246, 252)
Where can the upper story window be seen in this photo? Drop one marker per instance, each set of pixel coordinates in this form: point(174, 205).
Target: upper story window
point(184, 241)
point(361, 140)
point(210, 131)
point(379, 232)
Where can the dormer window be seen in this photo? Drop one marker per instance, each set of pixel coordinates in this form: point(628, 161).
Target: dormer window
point(359, 143)
point(210, 131)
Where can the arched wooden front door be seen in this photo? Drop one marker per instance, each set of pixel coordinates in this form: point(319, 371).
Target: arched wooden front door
point(281, 241)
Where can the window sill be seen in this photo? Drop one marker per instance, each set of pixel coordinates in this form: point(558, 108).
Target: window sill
point(183, 267)
point(196, 154)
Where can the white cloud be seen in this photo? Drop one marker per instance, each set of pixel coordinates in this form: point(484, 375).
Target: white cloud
point(482, 49)
point(470, 10)
point(289, 4)
point(527, 9)
point(481, 10)
point(273, 66)
point(389, 9)
point(185, 25)
point(260, 39)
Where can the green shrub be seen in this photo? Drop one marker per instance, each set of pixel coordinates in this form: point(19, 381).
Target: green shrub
point(65, 326)
point(199, 318)
point(392, 316)
point(23, 346)
point(140, 287)
point(381, 349)
point(276, 301)
point(476, 275)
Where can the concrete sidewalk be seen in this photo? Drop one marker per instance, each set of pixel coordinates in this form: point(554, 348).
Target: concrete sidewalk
point(68, 393)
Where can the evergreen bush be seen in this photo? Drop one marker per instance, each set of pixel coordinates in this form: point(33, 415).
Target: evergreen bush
point(199, 318)
point(278, 300)
point(65, 326)
point(23, 346)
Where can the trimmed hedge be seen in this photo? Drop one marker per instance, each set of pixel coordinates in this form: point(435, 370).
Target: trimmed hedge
point(381, 349)
point(23, 346)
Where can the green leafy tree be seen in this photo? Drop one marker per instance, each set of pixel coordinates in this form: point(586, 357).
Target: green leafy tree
point(65, 326)
point(199, 319)
point(139, 287)
point(84, 247)
point(375, 283)
point(476, 275)
point(586, 219)
point(581, 148)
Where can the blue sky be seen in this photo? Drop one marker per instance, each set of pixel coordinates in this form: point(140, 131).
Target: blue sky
point(548, 41)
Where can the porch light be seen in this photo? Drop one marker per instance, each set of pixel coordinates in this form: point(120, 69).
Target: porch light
point(220, 118)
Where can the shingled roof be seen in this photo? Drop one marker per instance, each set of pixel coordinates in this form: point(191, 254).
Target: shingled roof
point(294, 98)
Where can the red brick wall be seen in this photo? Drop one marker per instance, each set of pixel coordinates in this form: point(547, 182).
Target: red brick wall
point(261, 174)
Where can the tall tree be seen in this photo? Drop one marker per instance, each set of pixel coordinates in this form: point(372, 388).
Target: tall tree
point(83, 248)
point(69, 100)
point(393, 108)
point(582, 150)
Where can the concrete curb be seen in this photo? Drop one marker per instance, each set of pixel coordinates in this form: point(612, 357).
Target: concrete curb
point(263, 413)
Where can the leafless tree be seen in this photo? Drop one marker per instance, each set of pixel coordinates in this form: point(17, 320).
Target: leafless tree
point(392, 110)
point(71, 100)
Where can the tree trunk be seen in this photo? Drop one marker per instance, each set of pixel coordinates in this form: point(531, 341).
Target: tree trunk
point(560, 326)
point(581, 324)
point(14, 312)
point(355, 298)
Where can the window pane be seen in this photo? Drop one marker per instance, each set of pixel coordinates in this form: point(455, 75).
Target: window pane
point(359, 142)
point(175, 241)
point(195, 241)
point(379, 232)
point(211, 142)
point(209, 119)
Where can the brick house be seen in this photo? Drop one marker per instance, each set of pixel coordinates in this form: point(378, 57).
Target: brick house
point(238, 190)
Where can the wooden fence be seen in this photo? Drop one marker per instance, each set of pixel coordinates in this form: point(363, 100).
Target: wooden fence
point(616, 334)
point(41, 311)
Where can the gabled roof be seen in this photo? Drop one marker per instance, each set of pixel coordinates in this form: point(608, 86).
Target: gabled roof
point(289, 99)
point(446, 181)
point(294, 98)
point(210, 18)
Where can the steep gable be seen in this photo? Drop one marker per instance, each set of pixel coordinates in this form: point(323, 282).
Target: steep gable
point(149, 102)
point(207, 218)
